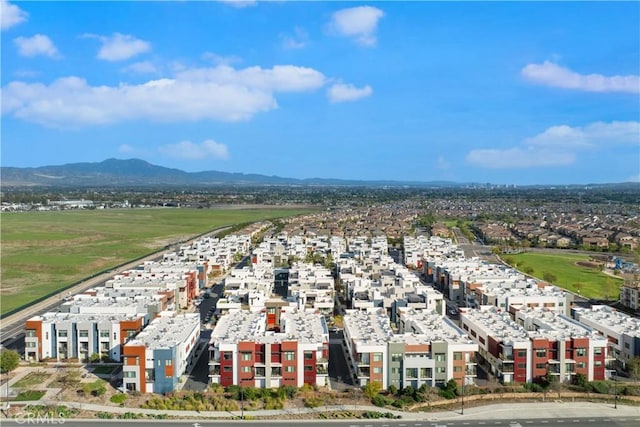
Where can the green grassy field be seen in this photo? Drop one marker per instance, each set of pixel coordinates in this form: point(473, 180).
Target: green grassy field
point(45, 251)
point(589, 282)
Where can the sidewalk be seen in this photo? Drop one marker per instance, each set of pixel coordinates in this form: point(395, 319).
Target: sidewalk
point(501, 411)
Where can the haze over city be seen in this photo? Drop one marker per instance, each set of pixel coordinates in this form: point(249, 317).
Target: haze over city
point(507, 93)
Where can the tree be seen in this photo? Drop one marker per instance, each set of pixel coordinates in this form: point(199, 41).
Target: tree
point(9, 360)
point(549, 277)
point(633, 367)
point(372, 389)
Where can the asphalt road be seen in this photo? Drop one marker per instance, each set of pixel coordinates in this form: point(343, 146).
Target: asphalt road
point(510, 422)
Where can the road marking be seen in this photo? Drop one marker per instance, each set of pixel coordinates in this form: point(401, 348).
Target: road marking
point(576, 421)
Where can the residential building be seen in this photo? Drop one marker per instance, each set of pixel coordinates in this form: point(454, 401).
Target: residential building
point(156, 358)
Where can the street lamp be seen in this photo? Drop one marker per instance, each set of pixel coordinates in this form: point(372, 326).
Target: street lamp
point(462, 407)
point(615, 393)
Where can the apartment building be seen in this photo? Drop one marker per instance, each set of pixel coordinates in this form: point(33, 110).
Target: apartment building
point(538, 342)
point(64, 336)
point(630, 294)
point(621, 331)
point(155, 359)
point(275, 347)
point(428, 349)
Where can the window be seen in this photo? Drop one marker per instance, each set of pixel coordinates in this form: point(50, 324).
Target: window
point(425, 373)
point(581, 365)
point(440, 357)
point(129, 374)
point(308, 355)
point(46, 335)
point(522, 353)
point(541, 365)
point(104, 334)
point(228, 369)
point(522, 365)
point(597, 351)
point(457, 369)
point(411, 372)
point(246, 369)
point(130, 332)
point(62, 333)
point(377, 357)
point(276, 371)
point(245, 355)
point(31, 333)
point(396, 357)
point(457, 356)
point(84, 333)
point(541, 352)
point(581, 352)
point(598, 363)
point(395, 370)
point(308, 368)
point(168, 362)
point(30, 344)
point(626, 345)
point(441, 370)
point(289, 355)
point(290, 369)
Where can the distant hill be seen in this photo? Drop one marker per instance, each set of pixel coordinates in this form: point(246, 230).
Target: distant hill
point(136, 172)
point(139, 173)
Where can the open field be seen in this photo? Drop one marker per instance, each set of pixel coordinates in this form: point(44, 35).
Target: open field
point(46, 251)
point(588, 282)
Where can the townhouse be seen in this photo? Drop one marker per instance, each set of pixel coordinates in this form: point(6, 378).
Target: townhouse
point(289, 347)
point(621, 331)
point(534, 344)
point(428, 349)
point(64, 336)
point(154, 360)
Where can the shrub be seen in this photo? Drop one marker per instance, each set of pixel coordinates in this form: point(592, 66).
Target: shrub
point(312, 402)
point(104, 415)
point(600, 387)
point(380, 401)
point(118, 398)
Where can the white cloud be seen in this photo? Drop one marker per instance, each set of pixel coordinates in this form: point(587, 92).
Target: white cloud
point(219, 93)
point(240, 3)
point(119, 47)
point(126, 149)
point(11, 15)
point(360, 23)
point(280, 78)
point(36, 45)
point(142, 67)
point(216, 59)
point(298, 40)
point(191, 151)
point(550, 74)
point(557, 145)
point(341, 92)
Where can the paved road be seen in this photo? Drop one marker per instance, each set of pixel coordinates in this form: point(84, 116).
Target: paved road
point(508, 422)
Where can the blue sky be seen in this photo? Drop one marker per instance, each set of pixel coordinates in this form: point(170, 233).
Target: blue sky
point(507, 93)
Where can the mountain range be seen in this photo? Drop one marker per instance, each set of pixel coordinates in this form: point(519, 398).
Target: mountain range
point(139, 173)
point(136, 172)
